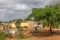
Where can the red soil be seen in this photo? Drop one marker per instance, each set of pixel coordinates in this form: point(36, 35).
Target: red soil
point(44, 35)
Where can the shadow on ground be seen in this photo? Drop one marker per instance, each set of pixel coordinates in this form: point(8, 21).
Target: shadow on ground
point(46, 33)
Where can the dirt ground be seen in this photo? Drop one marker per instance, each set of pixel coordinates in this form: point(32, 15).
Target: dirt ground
point(43, 35)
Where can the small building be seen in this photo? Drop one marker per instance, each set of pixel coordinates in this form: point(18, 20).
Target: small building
point(12, 27)
point(24, 24)
point(4, 26)
point(27, 25)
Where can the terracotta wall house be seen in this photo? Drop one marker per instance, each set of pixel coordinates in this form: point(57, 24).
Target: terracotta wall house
point(4, 26)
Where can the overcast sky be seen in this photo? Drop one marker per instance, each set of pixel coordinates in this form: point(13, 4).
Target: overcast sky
point(14, 9)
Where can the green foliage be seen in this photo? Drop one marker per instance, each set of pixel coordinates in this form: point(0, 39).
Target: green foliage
point(21, 35)
point(9, 35)
point(19, 27)
point(2, 35)
point(18, 20)
point(28, 36)
point(50, 15)
point(1, 22)
point(44, 22)
point(1, 38)
point(18, 24)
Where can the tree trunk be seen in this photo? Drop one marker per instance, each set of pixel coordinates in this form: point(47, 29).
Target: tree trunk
point(43, 26)
point(51, 29)
point(36, 29)
point(4, 28)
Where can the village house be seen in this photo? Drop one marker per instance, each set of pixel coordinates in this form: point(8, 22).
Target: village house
point(12, 27)
point(28, 26)
point(4, 26)
point(28, 23)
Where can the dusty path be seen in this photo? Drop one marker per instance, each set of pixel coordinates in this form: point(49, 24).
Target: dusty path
point(44, 35)
point(45, 38)
point(55, 37)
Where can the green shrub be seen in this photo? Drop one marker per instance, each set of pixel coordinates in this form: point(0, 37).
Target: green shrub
point(2, 35)
point(21, 35)
point(1, 38)
point(27, 36)
point(9, 35)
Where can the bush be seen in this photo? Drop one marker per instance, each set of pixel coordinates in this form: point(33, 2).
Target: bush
point(2, 35)
point(27, 36)
point(2, 38)
point(9, 35)
point(21, 35)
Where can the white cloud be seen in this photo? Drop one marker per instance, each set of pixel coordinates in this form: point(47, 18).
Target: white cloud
point(13, 9)
point(2, 10)
point(6, 1)
point(47, 2)
point(21, 7)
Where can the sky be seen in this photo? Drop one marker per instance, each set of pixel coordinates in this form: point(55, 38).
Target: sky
point(15, 9)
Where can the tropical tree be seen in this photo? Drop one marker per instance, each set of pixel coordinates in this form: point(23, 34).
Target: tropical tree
point(50, 15)
point(18, 24)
